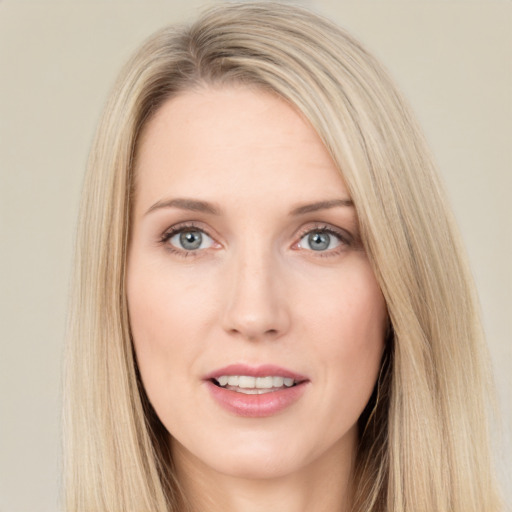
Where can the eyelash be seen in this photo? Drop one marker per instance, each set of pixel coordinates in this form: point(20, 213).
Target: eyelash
point(164, 239)
point(345, 239)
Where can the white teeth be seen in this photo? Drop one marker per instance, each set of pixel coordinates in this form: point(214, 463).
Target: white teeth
point(253, 385)
point(278, 382)
point(245, 382)
point(233, 380)
point(223, 380)
point(253, 391)
point(266, 382)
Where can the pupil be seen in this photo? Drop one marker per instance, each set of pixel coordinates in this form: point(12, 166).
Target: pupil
point(319, 241)
point(191, 240)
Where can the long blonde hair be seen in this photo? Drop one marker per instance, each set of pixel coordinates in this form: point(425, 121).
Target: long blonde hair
point(423, 436)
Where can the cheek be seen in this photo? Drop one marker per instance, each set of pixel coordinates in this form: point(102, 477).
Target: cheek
point(166, 306)
point(348, 309)
point(350, 323)
point(146, 306)
point(166, 316)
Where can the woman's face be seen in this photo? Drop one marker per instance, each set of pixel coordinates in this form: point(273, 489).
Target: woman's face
point(257, 321)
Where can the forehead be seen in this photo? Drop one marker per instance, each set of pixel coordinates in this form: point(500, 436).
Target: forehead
point(233, 142)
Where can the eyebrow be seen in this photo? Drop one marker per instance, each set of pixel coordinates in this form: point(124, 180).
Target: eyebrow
point(196, 205)
point(321, 205)
point(193, 205)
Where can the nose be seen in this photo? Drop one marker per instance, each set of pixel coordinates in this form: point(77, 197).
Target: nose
point(256, 307)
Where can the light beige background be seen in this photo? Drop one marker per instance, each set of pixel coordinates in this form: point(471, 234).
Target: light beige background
point(57, 62)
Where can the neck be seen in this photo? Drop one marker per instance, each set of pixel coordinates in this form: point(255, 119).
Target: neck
point(323, 485)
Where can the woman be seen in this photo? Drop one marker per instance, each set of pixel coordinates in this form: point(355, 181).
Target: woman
point(271, 307)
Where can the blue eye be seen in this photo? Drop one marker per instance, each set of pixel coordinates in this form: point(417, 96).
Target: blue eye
point(190, 240)
point(320, 240)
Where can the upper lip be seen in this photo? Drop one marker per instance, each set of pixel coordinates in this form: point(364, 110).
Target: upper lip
point(264, 370)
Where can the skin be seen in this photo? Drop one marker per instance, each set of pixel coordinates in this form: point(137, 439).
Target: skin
point(255, 292)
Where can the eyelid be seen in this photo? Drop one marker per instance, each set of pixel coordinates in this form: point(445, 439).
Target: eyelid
point(327, 228)
point(181, 226)
point(346, 238)
point(178, 228)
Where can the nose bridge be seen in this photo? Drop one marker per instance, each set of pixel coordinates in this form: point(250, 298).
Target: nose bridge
point(256, 305)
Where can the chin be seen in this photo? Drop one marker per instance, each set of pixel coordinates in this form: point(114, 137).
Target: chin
point(252, 457)
point(260, 466)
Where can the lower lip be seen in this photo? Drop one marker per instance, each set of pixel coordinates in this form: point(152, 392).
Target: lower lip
point(256, 406)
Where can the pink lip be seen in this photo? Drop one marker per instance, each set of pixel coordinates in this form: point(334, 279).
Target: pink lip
point(255, 371)
point(256, 406)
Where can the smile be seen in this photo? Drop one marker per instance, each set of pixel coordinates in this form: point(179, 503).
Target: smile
point(255, 391)
point(254, 385)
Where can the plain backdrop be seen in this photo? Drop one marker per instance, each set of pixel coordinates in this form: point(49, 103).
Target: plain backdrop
point(58, 61)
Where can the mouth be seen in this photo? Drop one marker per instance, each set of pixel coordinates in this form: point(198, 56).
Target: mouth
point(256, 391)
point(250, 385)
